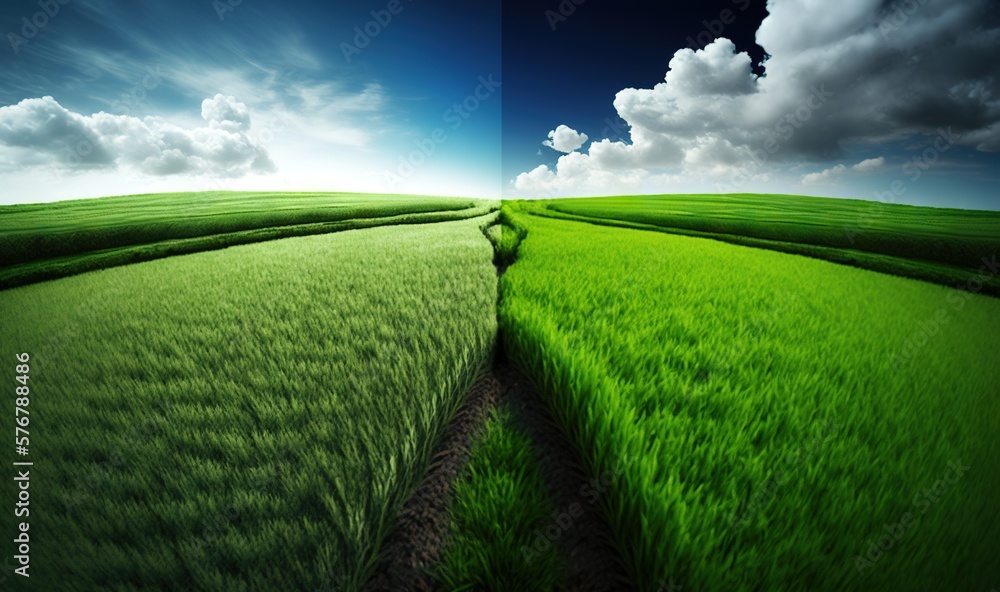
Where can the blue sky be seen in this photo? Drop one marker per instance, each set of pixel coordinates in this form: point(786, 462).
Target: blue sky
point(874, 99)
point(685, 104)
point(196, 94)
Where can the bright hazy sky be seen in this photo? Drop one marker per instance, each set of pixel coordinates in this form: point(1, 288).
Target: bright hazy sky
point(114, 96)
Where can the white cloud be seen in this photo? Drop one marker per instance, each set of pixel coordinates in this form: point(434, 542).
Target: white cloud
point(42, 133)
point(565, 139)
point(824, 176)
point(324, 126)
point(865, 166)
point(539, 179)
point(834, 78)
point(716, 70)
point(870, 165)
point(222, 112)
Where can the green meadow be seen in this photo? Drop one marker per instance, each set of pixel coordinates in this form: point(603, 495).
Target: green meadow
point(239, 391)
point(772, 410)
point(47, 241)
point(934, 244)
point(246, 419)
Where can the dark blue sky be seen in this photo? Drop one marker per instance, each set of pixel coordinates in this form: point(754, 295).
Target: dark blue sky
point(911, 112)
point(573, 72)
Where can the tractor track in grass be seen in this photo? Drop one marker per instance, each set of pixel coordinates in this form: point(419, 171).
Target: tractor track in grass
point(591, 561)
point(418, 537)
point(585, 544)
point(414, 546)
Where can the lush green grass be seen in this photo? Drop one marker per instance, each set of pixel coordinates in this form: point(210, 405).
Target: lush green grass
point(246, 419)
point(500, 502)
point(775, 412)
point(938, 245)
point(511, 234)
point(494, 233)
point(46, 241)
point(30, 232)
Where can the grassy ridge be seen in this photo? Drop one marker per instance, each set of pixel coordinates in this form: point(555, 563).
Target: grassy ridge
point(500, 501)
point(47, 269)
point(778, 414)
point(512, 232)
point(247, 419)
point(32, 232)
point(939, 245)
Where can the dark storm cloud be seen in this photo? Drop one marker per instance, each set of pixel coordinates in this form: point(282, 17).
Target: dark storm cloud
point(838, 74)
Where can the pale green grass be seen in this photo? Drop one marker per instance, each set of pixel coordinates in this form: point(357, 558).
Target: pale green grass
point(247, 419)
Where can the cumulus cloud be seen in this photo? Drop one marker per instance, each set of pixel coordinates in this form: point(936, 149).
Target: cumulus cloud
point(716, 70)
point(226, 113)
point(850, 73)
point(565, 139)
point(824, 176)
point(43, 133)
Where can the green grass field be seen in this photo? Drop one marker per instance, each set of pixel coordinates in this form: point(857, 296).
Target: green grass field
point(246, 419)
point(936, 245)
point(252, 416)
point(771, 410)
point(47, 241)
point(500, 503)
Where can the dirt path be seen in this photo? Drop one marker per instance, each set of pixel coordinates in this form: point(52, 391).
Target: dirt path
point(592, 562)
point(417, 540)
point(578, 529)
